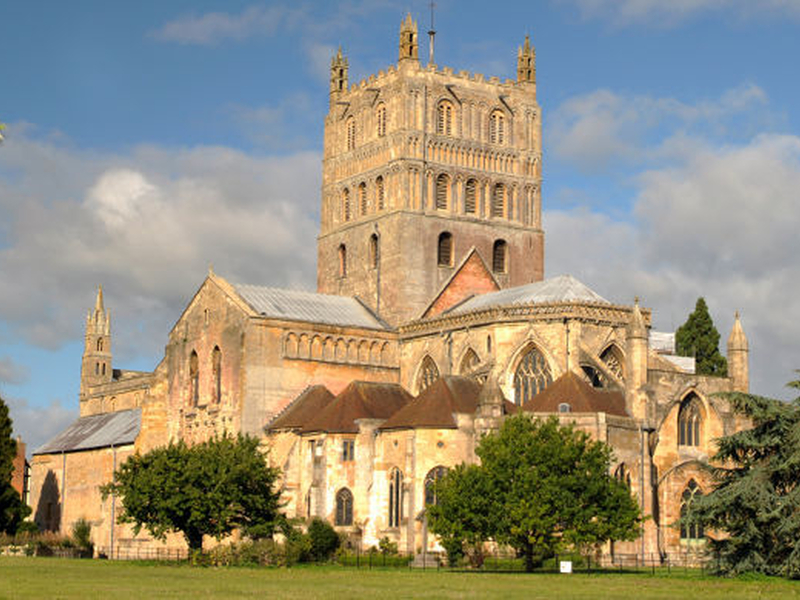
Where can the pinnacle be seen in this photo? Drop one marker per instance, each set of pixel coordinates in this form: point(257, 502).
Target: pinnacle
point(737, 339)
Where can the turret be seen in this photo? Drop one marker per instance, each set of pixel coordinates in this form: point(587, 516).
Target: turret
point(96, 366)
point(738, 349)
point(491, 402)
point(636, 362)
point(526, 63)
point(409, 41)
point(339, 69)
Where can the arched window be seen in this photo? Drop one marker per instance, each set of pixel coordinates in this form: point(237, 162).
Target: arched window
point(344, 508)
point(97, 368)
point(380, 193)
point(469, 362)
point(342, 261)
point(500, 257)
point(103, 369)
point(194, 379)
point(345, 205)
point(693, 531)
point(380, 119)
point(351, 133)
point(444, 118)
point(374, 250)
point(564, 407)
point(433, 476)
point(442, 191)
point(395, 497)
point(100, 345)
point(308, 502)
point(216, 366)
point(497, 127)
point(362, 198)
point(470, 196)
point(532, 376)
point(612, 358)
point(445, 250)
point(623, 474)
point(689, 420)
point(499, 200)
point(428, 373)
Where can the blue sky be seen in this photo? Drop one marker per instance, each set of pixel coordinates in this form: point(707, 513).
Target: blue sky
point(146, 140)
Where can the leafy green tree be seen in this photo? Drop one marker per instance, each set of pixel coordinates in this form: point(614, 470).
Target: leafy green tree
point(699, 338)
point(754, 510)
point(540, 487)
point(207, 489)
point(324, 539)
point(12, 510)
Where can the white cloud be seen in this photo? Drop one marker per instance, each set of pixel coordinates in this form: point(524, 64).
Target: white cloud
point(12, 372)
point(668, 13)
point(38, 424)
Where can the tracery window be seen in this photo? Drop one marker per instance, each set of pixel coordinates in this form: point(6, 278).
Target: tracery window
point(380, 193)
point(428, 373)
point(442, 191)
point(444, 118)
point(351, 133)
point(342, 261)
point(445, 250)
point(380, 118)
point(395, 497)
point(470, 196)
point(500, 257)
point(433, 476)
point(469, 362)
point(499, 200)
point(362, 198)
point(194, 378)
point(345, 205)
point(497, 127)
point(612, 359)
point(374, 250)
point(216, 368)
point(532, 376)
point(693, 531)
point(344, 508)
point(689, 420)
point(594, 376)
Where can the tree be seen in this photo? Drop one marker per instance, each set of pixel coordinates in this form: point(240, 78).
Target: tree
point(754, 508)
point(12, 510)
point(541, 486)
point(207, 489)
point(699, 338)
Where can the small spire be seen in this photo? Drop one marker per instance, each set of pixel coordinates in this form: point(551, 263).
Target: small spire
point(98, 304)
point(737, 339)
point(527, 44)
point(210, 269)
point(636, 326)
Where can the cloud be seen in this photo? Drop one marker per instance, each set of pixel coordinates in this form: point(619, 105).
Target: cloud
point(670, 13)
point(146, 224)
point(38, 424)
point(12, 372)
point(276, 127)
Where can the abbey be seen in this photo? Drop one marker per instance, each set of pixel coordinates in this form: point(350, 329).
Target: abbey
point(431, 323)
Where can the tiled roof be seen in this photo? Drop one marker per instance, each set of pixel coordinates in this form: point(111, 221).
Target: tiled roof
point(359, 400)
point(96, 431)
point(564, 288)
point(581, 397)
point(308, 306)
point(302, 409)
point(434, 407)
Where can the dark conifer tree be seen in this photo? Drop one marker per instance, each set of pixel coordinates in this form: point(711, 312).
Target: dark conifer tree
point(698, 337)
point(12, 510)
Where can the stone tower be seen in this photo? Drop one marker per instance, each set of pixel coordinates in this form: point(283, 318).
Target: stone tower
point(96, 366)
point(738, 368)
point(420, 165)
point(339, 69)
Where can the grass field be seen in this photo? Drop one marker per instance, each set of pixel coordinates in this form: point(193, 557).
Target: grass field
point(70, 578)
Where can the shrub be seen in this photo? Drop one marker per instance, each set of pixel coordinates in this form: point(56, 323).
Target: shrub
point(323, 539)
point(82, 535)
point(387, 547)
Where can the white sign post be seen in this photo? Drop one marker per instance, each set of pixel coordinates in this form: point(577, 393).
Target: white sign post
point(566, 566)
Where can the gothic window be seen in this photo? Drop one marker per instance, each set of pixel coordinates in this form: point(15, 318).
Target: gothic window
point(374, 250)
point(612, 358)
point(100, 345)
point(194, 378)
point(532, 376)
point(97, 368)
point(348, 450)
point(342, 261)
point(500, 257)
point(693, 531)
point(593, 376)
point(689, 420)
point(564, 407)
point(470, 193)
point(103, 369)
point(499, 200)
point(395, 497)
point(362, 198)
point(444, 118)
point(380, 193)
point(344, 508)
point(433, 476)
point(345, 205)
point(442, 191)
point(623, 474)
point(216, 365)
point(351, 133)
point(445, 250)
point(469, 362)
point(380, 118)
point(428, 373)
point(497, 127)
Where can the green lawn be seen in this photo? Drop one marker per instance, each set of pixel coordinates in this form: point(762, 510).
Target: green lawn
point(65, 578)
